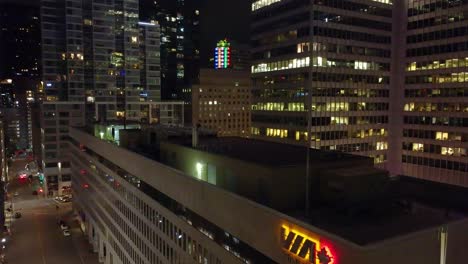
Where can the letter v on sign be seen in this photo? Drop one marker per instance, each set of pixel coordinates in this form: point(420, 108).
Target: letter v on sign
point(305, 248)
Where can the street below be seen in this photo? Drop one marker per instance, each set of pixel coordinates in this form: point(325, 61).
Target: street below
point(36, 236)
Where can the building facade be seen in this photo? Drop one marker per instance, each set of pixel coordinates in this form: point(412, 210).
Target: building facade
point(335, 54)
point(20, 48)
point(221, 102)
point(20, 70)
point(4, 174)
point(16, 111)
point(92, 52)
point(180, 46)
point(384, 79)
point(435, 94)
point(133, 210)
point(99, 62)
point(56, 118)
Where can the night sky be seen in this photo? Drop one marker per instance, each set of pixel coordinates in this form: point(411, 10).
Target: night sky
point(219, 19)
point(223, 19)
point(25, 2)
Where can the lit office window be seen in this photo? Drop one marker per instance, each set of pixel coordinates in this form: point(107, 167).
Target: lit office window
point(419, 147)
point(281, 65)
point(263, 3)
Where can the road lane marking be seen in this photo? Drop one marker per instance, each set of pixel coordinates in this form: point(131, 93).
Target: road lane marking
point(74, 239)
point(40, 240)
point(77, 250)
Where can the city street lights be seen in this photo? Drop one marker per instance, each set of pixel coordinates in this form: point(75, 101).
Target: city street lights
point(2, 257)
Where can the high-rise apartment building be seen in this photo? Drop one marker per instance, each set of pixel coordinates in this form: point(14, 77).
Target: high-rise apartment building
point(20, 45)
point(384, 79)
point(20, 69)
point(100, 65)
point(92, 50)
point(180, 46)
point(16, 112)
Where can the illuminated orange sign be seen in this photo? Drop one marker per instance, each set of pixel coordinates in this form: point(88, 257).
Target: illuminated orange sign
point(306, 248)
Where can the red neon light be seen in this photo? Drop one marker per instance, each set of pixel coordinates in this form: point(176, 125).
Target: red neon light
point(329, 252)
point(325, 256)
point(322, 252)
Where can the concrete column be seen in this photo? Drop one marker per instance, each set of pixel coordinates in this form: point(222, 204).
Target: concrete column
point(397, 88)
point(101, 247)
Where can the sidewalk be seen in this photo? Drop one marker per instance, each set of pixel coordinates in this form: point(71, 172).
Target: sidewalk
point(9, 220)
point(9, 214)
point(82, 244)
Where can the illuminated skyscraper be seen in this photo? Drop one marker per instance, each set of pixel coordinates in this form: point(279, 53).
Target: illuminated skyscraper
point(334, 53)
point(180, 46)
point(19, 46)
point(92, 50)
point(434, 92)
point(384, 79)
point(100, 64)
point(20, 69)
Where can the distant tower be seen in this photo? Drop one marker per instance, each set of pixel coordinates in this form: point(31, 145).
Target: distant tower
point(222, 56)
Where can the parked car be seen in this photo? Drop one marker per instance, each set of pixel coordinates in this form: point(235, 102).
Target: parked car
point(66, 232)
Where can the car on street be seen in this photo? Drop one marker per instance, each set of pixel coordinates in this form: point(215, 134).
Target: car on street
point(63, 198)
point(32, 168)
point(16, 194)
point(64, 227)
point(23, 174)
point(66, 232)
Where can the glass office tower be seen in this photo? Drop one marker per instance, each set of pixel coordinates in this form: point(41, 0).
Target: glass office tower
point(331, 58)
point(435, 110)
point(384, 79)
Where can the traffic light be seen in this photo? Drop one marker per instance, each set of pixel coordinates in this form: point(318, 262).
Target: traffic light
point(41, 178)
